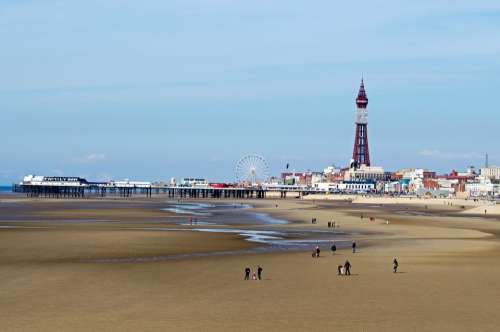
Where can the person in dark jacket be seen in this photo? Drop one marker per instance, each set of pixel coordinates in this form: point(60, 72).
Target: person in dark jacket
point(247, 273)
point(395, 265)
point(353, 247)
point(347, 268)
point(333, 248)
point(259, 272)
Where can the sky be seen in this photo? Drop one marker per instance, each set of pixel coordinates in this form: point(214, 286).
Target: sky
point(184, 88)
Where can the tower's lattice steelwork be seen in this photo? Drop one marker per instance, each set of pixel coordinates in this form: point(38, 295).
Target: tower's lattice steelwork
point(360, 153)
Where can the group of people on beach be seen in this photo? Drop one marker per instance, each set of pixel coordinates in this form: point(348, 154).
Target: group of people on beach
point(316, 252)
point(344, 269)
point(255, 276)
point(370, 218)
point(333, 248)
point(332, 224)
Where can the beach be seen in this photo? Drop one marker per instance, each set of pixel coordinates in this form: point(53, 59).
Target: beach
point(128, 264)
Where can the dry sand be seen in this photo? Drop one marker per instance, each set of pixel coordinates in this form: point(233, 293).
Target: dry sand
point(403, 200)
point(50, 281)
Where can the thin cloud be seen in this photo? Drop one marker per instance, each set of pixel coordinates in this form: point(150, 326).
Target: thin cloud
point(103, 177)
point(57, 172)
point(91, 158)
point(214, 159)
point(438, 154)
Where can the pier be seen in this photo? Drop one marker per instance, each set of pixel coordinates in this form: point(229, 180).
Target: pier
point(95, 190)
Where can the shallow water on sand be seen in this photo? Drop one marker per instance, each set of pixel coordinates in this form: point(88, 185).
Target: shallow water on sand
point(201, 209)
point(255, 227)
point(218, 214)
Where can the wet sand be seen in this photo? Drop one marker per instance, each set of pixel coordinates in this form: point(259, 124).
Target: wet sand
point(54, 278)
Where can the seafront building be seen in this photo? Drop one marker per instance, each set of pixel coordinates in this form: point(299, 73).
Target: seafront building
point(40, 180)
point(308, 178)
point(72, 181)
point(482, 187)
point(366, 173)
point(347, 187)
point(491, 172)
point(194, 182)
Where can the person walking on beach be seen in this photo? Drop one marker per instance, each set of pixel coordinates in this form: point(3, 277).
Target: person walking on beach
point(317, 251)
point(259, 272)
point(347, 268)
point(247, 273)
point(353, 247)
point(395, 265)
point(333, 248)
point(339, 269)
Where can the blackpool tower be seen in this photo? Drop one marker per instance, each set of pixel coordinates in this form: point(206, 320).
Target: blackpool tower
point(360, 153)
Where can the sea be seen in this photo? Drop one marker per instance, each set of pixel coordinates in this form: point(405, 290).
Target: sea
point(5, 189)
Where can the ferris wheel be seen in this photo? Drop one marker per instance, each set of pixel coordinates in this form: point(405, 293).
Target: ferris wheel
point(252, 169)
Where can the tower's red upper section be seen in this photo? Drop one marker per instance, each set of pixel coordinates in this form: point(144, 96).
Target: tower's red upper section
point(362, 99)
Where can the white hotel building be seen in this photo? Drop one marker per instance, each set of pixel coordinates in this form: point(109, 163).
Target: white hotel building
point(482, 187)
point(492, 172)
